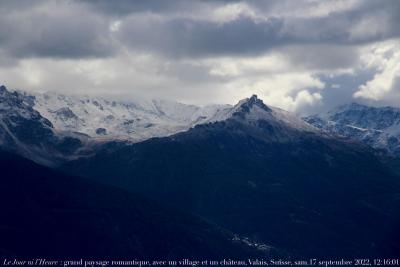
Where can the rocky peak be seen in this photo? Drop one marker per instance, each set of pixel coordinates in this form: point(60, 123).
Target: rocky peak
point(65, 113)
point(253, 111)
point(249, 107)
point(248, 103)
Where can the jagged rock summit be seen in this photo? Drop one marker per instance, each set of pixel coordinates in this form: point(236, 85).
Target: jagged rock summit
point(253, 110)
point(247, 104)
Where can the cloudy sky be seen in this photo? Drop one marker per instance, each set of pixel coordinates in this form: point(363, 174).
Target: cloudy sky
point(300, 55)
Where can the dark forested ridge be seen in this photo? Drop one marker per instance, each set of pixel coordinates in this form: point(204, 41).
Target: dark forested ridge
point(306, 193)
point(47, 214)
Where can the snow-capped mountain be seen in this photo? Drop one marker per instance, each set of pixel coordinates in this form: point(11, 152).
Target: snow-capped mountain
point(378, 127)
point(253, 110)
point(24, 131)
point(252, 169)
point(39, 123)
point(108, 118)
point(138, 120)
point(252, 117)
point(263, 173)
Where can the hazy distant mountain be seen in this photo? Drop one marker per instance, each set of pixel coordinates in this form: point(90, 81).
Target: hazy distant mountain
point(378, 127)
point(267, 175)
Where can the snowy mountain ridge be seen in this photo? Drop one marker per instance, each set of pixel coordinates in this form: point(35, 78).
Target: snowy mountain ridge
point(254, 109)
point(25, 131)
point(378, 127)
point(104, 118)
point(107, 118)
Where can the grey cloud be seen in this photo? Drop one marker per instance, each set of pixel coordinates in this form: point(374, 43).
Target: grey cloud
point(126, 7)
point(340, 89)
point(394, 18)
point(189, 73)
point(65, 32)
point(337, 27)
point(322, 56)
point(187, 37)
point(79, 29)
point(17, 5)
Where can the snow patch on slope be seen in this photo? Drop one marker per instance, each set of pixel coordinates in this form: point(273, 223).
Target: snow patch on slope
point(136, 120)
point(376, 127)
point(253, 109)
point(104, 119)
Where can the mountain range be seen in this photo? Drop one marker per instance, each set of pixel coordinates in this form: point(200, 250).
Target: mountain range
point(270, 177)
point(89, 118)
point(378, 127)
point(135, 120)
point(248, 180)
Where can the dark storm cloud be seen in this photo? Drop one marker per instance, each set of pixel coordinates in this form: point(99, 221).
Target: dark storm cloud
point(56, 30)
point(126, 7)
point(188, 37)
point(316, 57)
point(10, 5)
point(75, 29)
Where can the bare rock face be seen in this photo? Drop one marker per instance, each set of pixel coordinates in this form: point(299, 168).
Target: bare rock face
point(101, 131)
point(25, 131)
